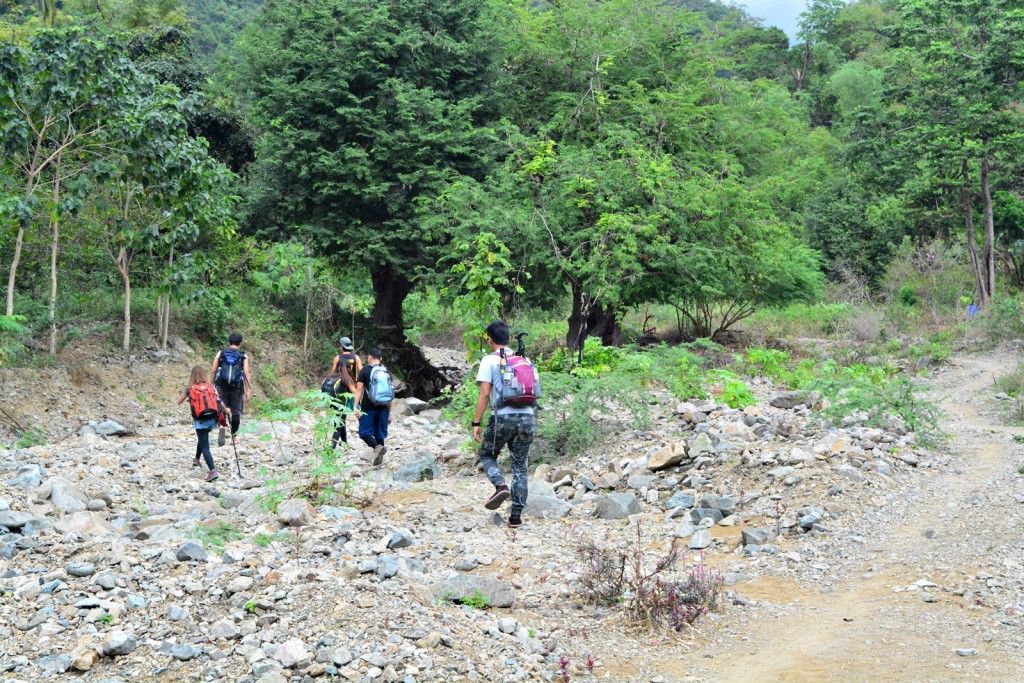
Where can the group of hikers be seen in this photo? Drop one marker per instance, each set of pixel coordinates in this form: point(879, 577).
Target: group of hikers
point(508, 384)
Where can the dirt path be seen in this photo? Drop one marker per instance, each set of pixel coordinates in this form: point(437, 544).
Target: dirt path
point(859, 627)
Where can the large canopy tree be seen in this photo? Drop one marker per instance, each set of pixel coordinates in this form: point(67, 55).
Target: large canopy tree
point(365, 110)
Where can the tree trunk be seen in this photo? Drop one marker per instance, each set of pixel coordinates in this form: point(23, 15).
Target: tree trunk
point(972, 246)
point(54, 249)
point(577, 319)
point(167, 304)
point(390, 289)
point(604, 323)
point(123, 263)
point(990, 232)
point(14, 267)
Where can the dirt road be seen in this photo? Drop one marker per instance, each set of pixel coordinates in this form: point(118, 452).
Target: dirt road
point(960, 529)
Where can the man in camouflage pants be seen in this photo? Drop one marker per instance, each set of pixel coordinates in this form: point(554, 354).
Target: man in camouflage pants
point(510, 425)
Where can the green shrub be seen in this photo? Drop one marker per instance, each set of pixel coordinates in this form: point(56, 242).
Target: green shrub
point(11, 327)
point(736, 394)
point(1004, 319)
point(907, 296)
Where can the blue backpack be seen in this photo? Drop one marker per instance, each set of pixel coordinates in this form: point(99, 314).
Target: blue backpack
point(380, 391)
point(230, 371)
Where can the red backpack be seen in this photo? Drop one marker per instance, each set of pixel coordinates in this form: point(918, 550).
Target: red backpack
point(520, 384)
point(202, 398)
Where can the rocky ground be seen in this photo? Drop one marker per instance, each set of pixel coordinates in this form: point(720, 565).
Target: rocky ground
point(847, 554)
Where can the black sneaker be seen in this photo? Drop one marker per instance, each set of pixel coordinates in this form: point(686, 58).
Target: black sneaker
point(500, 495)
point(514, 521)
point(378, 455)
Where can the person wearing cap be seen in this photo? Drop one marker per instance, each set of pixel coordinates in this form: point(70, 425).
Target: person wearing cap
point(349, 358)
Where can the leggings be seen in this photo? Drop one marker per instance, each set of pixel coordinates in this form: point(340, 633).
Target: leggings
point(203, 447)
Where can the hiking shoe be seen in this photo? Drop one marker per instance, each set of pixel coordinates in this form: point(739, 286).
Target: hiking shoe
point(500, 495)
point(378, 455)
point(195, 463)
point(220, 437)
point(514, 521)
point(211, 475)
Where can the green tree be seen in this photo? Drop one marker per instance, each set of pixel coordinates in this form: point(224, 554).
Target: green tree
point(366, 110)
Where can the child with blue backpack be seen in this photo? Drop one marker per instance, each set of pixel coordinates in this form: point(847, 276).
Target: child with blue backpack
point(373, 396)
point(230, 372)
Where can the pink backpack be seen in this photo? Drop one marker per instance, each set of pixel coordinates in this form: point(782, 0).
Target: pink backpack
point(520, 383)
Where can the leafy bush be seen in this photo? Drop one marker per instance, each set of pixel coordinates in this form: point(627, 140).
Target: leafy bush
point(800, 320)
point(580, 410)
point(1004, 319)
point(216, 535)
point(736, 394)
point(11, 327)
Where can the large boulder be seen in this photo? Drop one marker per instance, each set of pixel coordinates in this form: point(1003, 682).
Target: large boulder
point(118, 643)
point(461, 587)
point(65, 496)
point(617, 506)
point(759, 536)
point(723, 503)
point(669, 456)
point(701, 445)
point(421, 468)
point(788, 400)
point(86, 523)
point(416, 405)
point(109, 428)
point(546, 507)
point(28, 477)
point(295, 512)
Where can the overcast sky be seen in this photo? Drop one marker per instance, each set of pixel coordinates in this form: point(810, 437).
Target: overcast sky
point(781, 13)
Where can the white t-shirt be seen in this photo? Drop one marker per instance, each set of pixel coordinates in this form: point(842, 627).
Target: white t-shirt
point(490, 371)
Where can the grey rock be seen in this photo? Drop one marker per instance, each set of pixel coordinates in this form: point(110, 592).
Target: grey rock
point(191, 552)
point(697, 515)
point(508, 625)
point(54, 664)
point(386, 567)
point(96, 505)
point(684, 530)
point(724, 503)
point(966, 651)
point(416, 405)
point(546, 507)
point(679, 500)
point(640, 481)
point(787, 400)
point(14, 520)
point(295, 512)
point(28, 477)
point(422, 468)
point(809, 520)
point(65, 496)
point(340, 513)
point(401, 538)
point(225, 629)
point(176, 613)
point(701, 445)
point(292, 653)
point(849, 473)
point(760, 536)
point(910, 459)
point(118, 643)
point(701, 539)
point(617, 506)
point(784, 471)
point(80, 569)
point(110, 428)
point(86, 523)
point(465, 586)
point(669, 456)
point(106, 580)
point(184, 652)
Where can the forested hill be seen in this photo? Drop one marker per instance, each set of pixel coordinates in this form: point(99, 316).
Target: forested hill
point(201, 165)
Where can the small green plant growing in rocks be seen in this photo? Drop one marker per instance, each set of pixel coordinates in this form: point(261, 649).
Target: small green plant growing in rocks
point(216, 535)
point(29, 437)
point(106, 618)
point(250, 606)
point(477, 601)
point(1020, 470)
point(1018, 438)
point(264, 540)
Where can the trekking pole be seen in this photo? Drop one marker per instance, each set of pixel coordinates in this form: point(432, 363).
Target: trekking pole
point(235, 449)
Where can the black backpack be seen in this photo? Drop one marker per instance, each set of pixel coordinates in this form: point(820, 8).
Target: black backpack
point(230, 372)
point(330, 386)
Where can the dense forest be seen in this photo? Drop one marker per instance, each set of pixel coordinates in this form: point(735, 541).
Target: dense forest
point(404, 168)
